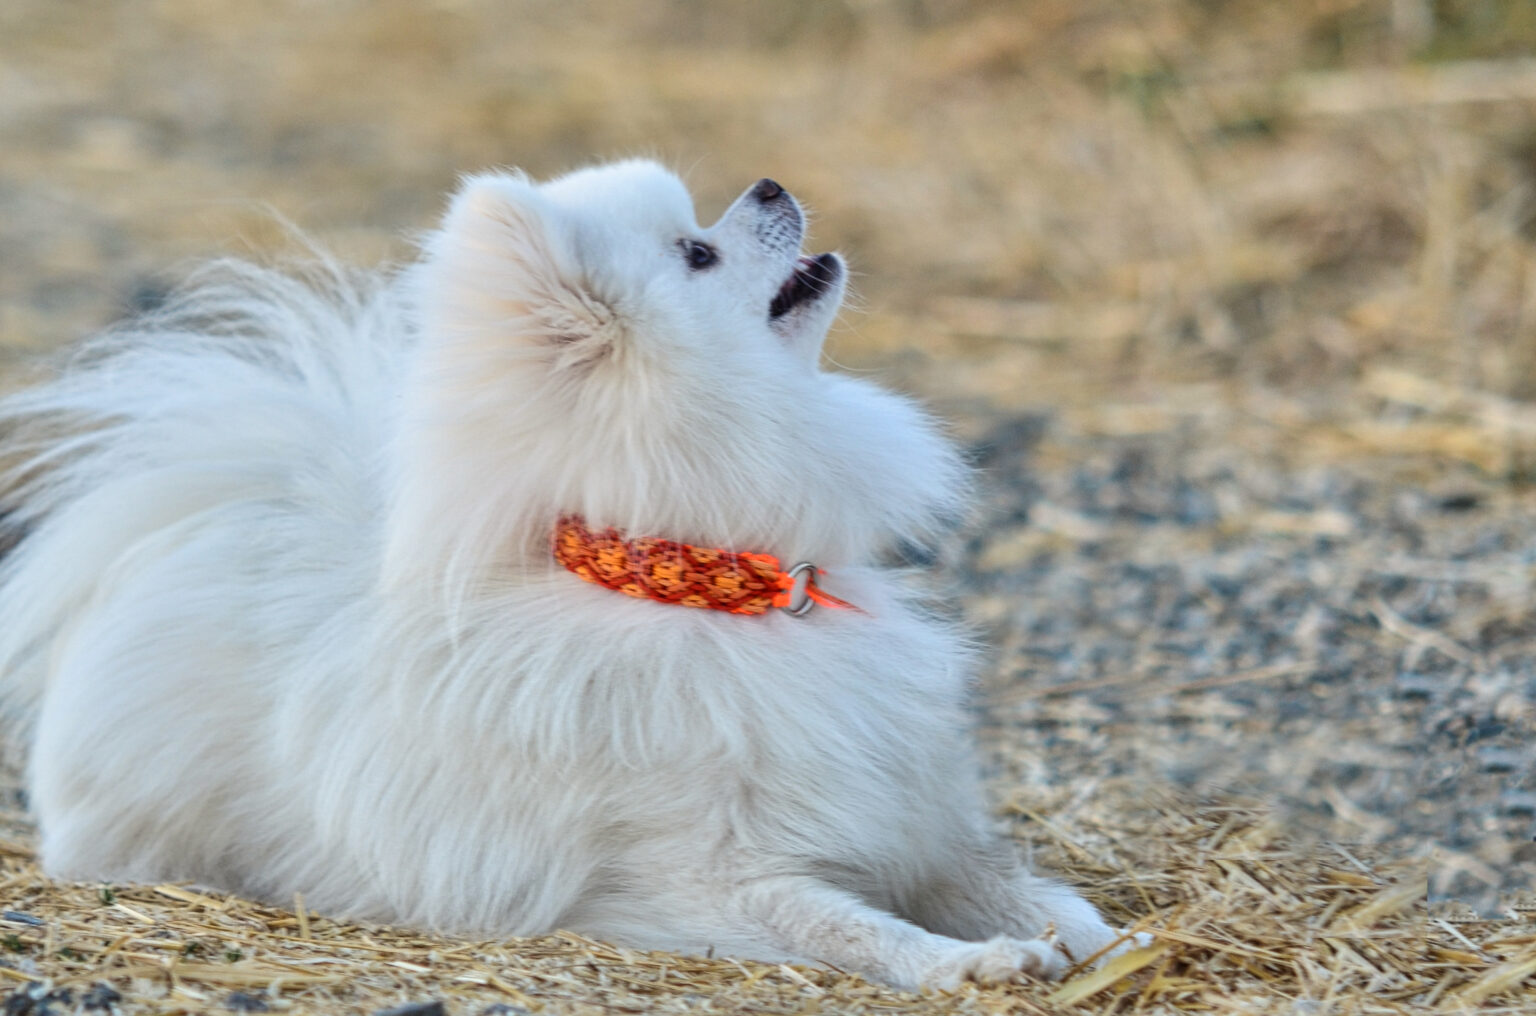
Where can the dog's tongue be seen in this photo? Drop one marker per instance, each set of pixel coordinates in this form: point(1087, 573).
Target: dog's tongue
point(809, 280)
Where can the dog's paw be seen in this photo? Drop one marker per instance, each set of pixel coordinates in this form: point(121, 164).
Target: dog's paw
point(1138, 940)
point(997, 961)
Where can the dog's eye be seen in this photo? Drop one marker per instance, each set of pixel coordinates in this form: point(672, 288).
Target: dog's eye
point(698, 254)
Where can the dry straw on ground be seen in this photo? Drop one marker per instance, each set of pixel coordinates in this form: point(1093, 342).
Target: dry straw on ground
point(1242, 922)
point(1235, 302)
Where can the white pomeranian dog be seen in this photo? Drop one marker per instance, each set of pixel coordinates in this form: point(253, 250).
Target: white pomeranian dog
point(467, 599)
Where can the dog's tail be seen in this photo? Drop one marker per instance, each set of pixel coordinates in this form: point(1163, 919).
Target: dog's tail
point(249, 386)
point(20, 476)
point(36, 449)
point(13, 525)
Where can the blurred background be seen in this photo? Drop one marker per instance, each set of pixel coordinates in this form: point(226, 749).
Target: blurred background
point(1288, 192)
point(1234, 302)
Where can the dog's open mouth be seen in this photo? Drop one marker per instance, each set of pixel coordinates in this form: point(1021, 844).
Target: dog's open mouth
point(812, 277)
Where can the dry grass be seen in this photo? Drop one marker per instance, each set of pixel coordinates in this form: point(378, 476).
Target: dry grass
point(1308, 226)
point(1242, 922)
point(1228, 190)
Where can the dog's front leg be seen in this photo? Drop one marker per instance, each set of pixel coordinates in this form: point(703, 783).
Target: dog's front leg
point(818, 921)
point(990, 892)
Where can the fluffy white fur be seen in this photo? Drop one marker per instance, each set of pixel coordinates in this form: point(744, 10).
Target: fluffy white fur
point(285, 617)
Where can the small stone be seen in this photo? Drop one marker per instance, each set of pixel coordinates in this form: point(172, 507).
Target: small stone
point(433, 1008)
point(1460, 501)
point(38, 1000)
point(239, 1001)
point(21, 1002)
point(1454, 911)
point(1412, 685)
point(1521, 905)
point(1518, 802)
point(100, 996)
point(1495, 759)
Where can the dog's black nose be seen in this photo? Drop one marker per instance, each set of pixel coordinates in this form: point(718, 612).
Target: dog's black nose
point(767, 190)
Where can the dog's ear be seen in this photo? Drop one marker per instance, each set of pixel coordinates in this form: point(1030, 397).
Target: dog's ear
point(503, 267)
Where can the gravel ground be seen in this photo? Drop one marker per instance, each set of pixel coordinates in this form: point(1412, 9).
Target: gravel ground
point(1199, 604)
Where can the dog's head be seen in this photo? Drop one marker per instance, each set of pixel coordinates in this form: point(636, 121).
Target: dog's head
point(606, 270)
point(588, 347)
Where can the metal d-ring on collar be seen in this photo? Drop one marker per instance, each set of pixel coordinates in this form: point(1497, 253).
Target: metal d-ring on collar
point(801, 606)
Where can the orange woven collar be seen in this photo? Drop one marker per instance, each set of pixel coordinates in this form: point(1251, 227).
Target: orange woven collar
point(666, 571)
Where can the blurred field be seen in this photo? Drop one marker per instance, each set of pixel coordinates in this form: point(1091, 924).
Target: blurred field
point(1163, 188)
point(1273, 260)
